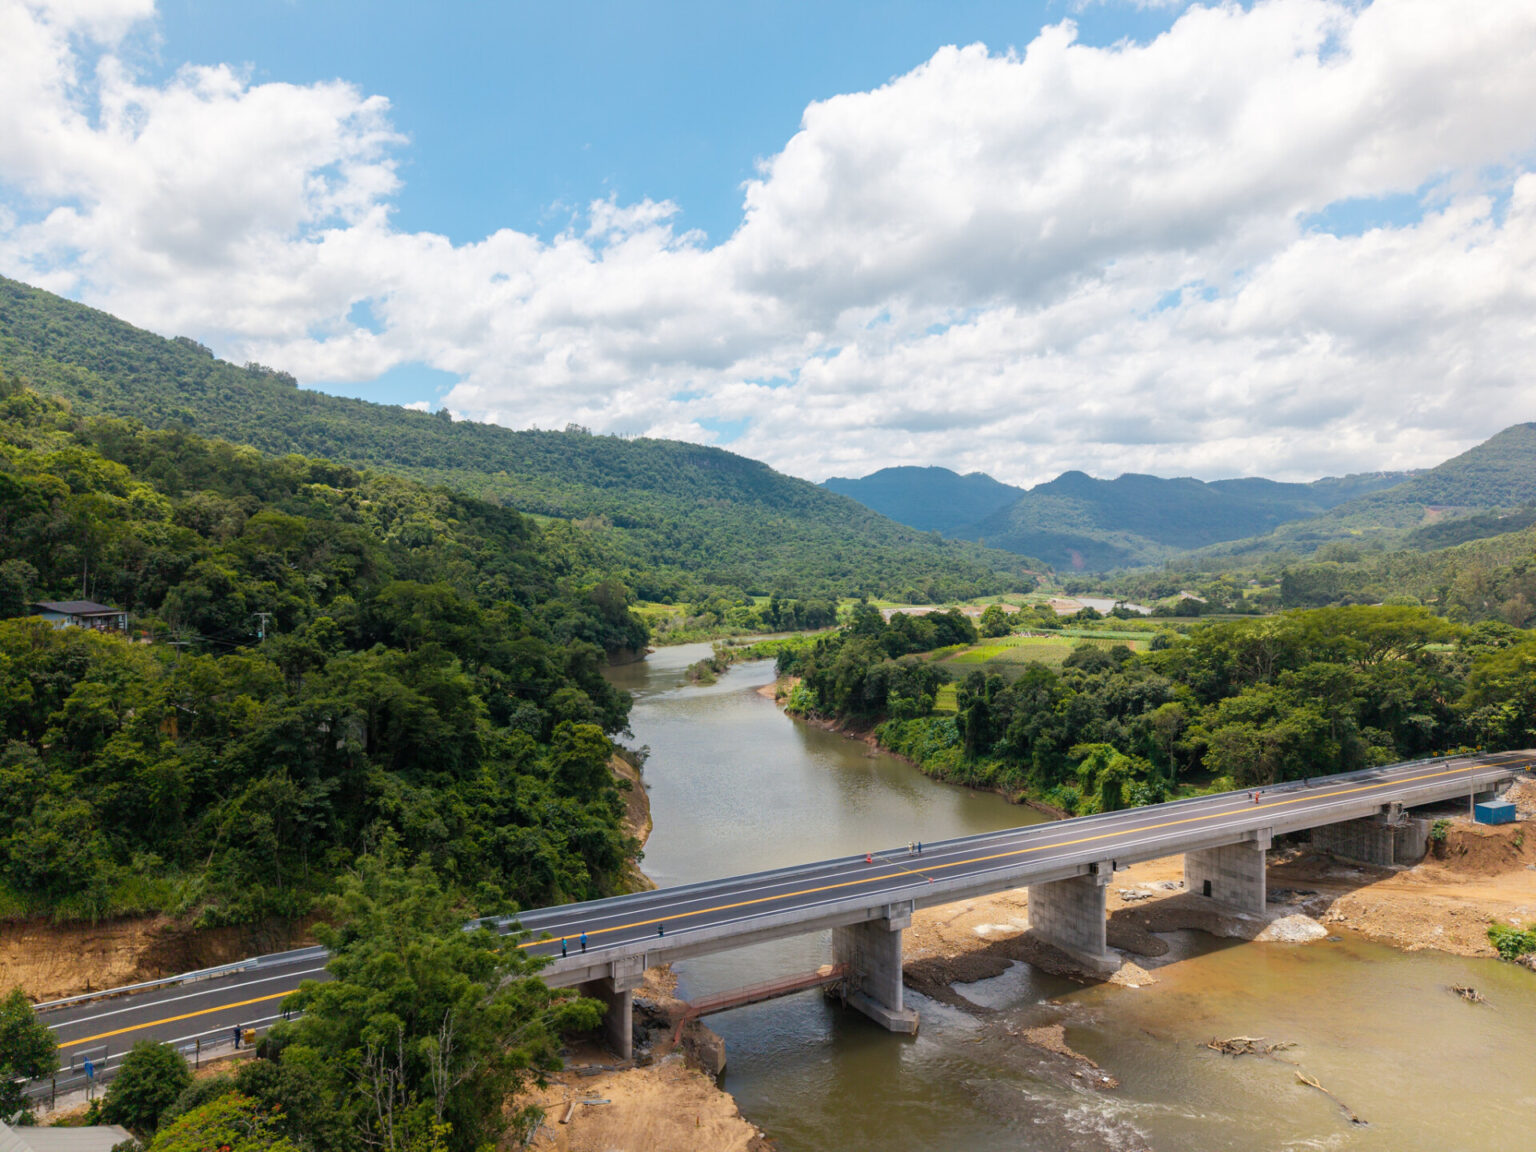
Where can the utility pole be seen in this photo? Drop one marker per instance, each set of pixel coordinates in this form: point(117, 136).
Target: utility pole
point(261, 625)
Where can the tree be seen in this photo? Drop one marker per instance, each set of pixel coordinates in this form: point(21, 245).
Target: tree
point(27, 1051)
point(426, 1030)
point(994, 621)
point(230, 1123)
point(151, 1078)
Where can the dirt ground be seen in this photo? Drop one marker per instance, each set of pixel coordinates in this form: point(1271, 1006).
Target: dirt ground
point(668, 1105)
point(49, 961)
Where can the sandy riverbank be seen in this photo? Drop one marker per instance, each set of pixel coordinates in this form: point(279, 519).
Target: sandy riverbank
point(670, 1102)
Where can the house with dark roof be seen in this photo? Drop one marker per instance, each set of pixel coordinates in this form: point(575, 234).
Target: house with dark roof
point(81, 614)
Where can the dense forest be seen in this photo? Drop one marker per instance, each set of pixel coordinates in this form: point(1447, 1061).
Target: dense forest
point(321, 660)
point(682, 520)
point(1231, 704)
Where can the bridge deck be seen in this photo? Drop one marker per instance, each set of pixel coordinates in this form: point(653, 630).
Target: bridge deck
point(673, 923)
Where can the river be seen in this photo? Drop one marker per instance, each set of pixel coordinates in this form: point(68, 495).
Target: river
point(736, 786)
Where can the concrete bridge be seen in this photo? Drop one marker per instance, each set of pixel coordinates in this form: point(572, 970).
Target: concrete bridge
point(868, 900)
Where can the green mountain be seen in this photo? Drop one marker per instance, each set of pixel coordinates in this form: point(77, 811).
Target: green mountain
point(1487, 491)
point(1081, 523)
point(678, 517)
point(932, 499)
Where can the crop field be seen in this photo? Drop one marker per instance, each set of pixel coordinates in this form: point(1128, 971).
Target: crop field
point(1009, 654)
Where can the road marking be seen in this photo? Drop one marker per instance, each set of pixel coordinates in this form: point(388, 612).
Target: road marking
point(173, 1019)
point(175, 999)
point(1304, 796)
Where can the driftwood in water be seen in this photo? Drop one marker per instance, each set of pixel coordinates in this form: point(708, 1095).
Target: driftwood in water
point(1345, 1108)
point(1247, 1046)
point(1469, 994)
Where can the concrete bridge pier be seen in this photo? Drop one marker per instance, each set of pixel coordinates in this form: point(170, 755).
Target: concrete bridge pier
point(617, 990)
point(1234, 874)
point(1070, 915)
point(873, 950)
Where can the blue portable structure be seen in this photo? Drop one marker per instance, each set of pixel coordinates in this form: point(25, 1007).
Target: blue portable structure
point(1494, 812)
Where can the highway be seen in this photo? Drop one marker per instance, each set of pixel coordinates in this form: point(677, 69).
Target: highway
point(692, 919)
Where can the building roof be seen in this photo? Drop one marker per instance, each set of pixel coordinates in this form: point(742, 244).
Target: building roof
point(100, 1138)
point(77, 608)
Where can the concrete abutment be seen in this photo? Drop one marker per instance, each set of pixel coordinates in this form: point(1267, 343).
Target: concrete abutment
point(873, 950)
point(1387, 839)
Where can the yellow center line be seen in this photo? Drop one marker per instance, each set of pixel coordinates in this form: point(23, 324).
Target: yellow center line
point(1305, 796)
point(173, 1019)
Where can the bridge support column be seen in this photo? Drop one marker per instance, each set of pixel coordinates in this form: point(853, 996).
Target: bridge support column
point(617, 991)
point(873, 950)
point(1070, 915)
point(1233, 874)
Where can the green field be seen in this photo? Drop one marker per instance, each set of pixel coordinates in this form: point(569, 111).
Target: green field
point(1008, 654)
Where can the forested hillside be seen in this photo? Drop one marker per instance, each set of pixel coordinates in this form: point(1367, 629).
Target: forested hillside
point(1077, 522)
point(932, 499)
point(1466, 497)
point(430, 677)
point(684, 517)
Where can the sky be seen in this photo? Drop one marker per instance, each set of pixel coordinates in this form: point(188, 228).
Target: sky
point(1288, 238)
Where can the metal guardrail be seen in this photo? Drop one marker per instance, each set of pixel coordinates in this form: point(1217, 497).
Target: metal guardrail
point(163, 982)
point(269, 960)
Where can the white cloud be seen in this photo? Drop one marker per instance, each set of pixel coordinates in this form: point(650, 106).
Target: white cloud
point(1069, 257)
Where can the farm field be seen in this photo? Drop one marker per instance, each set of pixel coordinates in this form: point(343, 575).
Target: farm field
point(1008, 655)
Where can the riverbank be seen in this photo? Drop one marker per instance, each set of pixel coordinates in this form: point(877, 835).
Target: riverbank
point(1443, 903)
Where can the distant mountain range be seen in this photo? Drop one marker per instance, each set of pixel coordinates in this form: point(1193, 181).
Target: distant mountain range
point(933, 499)
point(1079, 523)
point(678, 517)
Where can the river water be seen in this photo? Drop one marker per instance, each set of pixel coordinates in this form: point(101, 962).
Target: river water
point(736, 786)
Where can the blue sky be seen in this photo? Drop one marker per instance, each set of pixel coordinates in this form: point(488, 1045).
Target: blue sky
point(1288, 238)
point(520, 114)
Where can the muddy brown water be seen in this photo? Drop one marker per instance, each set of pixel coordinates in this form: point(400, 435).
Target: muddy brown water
point(736, 786)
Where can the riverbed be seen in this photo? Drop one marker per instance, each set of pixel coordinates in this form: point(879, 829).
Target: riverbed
point(737, 786)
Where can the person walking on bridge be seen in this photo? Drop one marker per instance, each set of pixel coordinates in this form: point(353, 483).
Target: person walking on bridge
point(583, 941)
point(562, 947)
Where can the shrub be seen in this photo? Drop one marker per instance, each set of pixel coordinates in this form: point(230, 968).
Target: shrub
point(1510, 942)
point(198, 1093)
point(149, 1082)
point(231, 1121)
